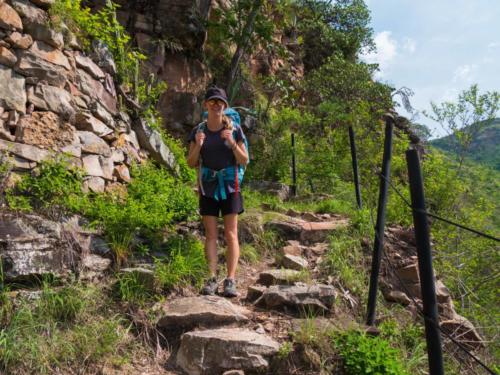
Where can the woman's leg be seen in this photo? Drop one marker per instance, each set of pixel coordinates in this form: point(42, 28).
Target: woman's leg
point(210, 224)
point(233, 246)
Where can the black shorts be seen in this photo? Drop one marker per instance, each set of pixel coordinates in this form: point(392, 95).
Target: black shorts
point(211, 207)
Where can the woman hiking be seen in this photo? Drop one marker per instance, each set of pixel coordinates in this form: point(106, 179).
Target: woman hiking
point(217, 148)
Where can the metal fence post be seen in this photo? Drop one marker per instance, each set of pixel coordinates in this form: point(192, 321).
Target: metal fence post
point(422, 237)
point(294, 168)
point(380, 226)
point(355, 167)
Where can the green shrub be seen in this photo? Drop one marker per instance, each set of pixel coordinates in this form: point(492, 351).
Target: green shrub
point(54, 183)
point(133, 288)
point(363, 354)
point(344, 261)
point(62, 330)
point(186, 264)
point(249, 253)
point(103, 26)
point(63, 305)
point(154, 200)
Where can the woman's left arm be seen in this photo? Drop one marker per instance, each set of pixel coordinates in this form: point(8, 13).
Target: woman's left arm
point(240, 152)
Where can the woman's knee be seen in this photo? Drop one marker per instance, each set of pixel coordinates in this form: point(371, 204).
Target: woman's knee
point(211, 232)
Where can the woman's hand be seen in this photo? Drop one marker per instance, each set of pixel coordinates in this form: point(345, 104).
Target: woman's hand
point(227, 134)
point(199, 138)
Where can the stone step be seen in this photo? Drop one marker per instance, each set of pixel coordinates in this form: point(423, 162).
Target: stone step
point(294, 262)
point(215, 351)
point(305, 231)
point(207, 311)
point(278, 276)
point(317, 298)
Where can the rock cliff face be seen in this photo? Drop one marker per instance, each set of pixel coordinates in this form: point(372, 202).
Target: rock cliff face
point(172, 34)
point(55, 99)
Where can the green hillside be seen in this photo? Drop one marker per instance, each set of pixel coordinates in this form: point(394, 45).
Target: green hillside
point(485, 146)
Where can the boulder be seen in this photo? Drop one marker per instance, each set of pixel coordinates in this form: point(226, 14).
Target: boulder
point(31, 246)
point(93, 266)
point(279, 276)
point(102, 114)
point(74, 149)
point(294, 262)
point(190, 312)
point(122, 173)
point(254, 292)
point(45, 129)
point(43, 3)
point(29, 12)
point(25, 151)
point(287, 230)
point(409, 274)
point(50, 54)
point(319, 231)
point(396, 296)
point(250, 228)
point(151, 141)
point(50, 98)
point(93, 144)
point(303, 298)
point(95, 89)
point(36, 23)
point(98, 166)
point(9, 19)
point(30, 65)
point(18, 40)
point(21, 164)
point(12, 90)
point(463, 331)
point(7, 58)
point(85, 121)
point(215, 351)
point(95, 184)
point(292, 249)
point(280, 190)
point(45, 34)
point(89, 66)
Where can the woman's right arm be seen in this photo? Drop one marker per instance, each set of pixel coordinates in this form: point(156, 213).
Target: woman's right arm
point(194, 154)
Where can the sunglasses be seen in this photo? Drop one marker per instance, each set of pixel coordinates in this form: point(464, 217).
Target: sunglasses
point(216, 101)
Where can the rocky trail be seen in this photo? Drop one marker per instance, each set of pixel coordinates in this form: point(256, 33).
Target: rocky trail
point(216, 335)
point(207, 335)
point(279, 294)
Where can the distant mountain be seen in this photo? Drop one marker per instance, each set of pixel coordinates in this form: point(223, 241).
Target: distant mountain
point(485, 147)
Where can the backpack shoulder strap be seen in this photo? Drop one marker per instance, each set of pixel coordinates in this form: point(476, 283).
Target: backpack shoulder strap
point(202, 126)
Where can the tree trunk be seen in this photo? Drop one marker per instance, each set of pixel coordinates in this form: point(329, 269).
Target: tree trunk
point(242, 46)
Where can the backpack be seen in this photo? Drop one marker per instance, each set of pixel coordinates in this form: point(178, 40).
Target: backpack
point(236, 172)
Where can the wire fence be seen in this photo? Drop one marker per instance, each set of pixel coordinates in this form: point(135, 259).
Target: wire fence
point(455, 346)
point(445, 335)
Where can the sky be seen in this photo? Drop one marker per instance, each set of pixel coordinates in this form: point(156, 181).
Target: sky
point(437, 48)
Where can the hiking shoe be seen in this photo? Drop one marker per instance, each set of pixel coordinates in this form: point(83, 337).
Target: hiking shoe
point(210, 287)
point(230, 288)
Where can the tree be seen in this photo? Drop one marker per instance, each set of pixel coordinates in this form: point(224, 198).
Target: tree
point(466, 117)
point(330, 28)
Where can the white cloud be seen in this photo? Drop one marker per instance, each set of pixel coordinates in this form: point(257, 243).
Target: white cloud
point(493, 45)
point(464, 73)
point(409, 45)
point(385, 53)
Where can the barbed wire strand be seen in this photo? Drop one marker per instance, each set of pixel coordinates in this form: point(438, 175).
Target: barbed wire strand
point(436, 216)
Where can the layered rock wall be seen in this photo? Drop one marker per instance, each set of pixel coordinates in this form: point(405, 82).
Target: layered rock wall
point(56, 99)
point(172, 34)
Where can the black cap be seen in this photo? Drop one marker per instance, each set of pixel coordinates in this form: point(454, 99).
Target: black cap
point(216, 93)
